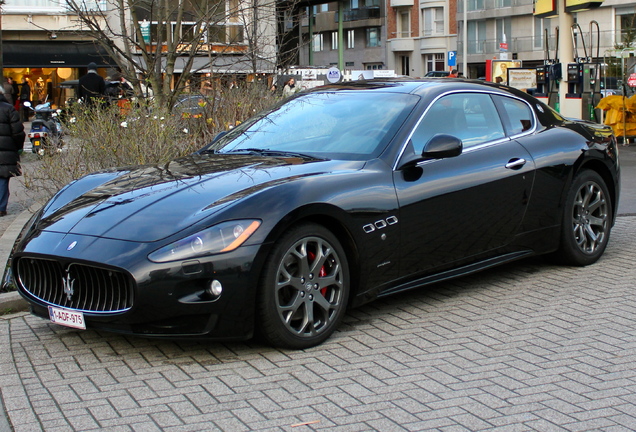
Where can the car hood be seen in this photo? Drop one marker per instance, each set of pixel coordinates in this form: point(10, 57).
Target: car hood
point(148, 203)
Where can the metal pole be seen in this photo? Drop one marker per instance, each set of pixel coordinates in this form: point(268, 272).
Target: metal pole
point(566, 46)
point(465, 41)
point(311, 35)
point(1, 48)
point(340, 35)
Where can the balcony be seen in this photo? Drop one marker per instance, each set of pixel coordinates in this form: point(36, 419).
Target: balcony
point(480, 5)
point(490, 47)
point(402, 45)
point(360, 14)
point(399, 3)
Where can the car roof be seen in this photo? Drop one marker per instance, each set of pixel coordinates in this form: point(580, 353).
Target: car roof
point(422, 86)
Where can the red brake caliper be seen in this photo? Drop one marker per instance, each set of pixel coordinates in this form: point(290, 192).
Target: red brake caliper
point(321, 273)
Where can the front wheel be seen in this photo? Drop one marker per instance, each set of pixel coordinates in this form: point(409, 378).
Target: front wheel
point(304, 289)
point(587, 221)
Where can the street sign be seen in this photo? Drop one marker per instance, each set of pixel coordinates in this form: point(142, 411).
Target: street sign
point(503, 46)
point(452, 58)
point(333, 75)
point(631, 81)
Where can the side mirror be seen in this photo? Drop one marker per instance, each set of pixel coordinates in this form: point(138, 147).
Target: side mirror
point(442, 146)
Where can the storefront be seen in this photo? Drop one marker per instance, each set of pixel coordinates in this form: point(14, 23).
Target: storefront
point(45, 64)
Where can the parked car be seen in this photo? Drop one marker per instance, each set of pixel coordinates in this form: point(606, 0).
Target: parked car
point(336, 197)
point(195, 105)
point(437, 74)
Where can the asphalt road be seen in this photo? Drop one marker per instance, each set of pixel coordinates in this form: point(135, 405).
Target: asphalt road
point(527, 346)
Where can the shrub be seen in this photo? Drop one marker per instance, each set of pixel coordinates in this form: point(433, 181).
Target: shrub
point(123, 134)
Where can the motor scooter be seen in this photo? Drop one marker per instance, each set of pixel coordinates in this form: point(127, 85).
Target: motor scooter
point(46, 129)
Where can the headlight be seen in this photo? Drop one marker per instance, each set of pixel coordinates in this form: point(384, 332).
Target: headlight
point(224, 237)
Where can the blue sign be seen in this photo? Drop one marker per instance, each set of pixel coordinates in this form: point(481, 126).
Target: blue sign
point(452, 58)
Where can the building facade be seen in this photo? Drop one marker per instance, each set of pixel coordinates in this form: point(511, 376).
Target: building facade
point(364, 35)
point(421, 33)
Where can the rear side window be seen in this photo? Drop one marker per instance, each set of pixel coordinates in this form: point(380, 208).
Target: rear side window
point(516, 115)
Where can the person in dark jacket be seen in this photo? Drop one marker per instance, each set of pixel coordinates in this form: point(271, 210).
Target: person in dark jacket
point(91, 86)
point(25, 96)
point(11, 144)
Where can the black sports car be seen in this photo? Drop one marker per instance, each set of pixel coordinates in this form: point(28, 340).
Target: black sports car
point(336, 197)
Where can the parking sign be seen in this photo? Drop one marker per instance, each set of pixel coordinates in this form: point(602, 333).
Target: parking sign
point(452, 58)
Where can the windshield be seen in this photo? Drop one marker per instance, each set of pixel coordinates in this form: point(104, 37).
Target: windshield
point(343, 125)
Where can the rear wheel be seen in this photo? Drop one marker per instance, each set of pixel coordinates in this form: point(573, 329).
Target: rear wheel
point(304, 288)
point(587, 221)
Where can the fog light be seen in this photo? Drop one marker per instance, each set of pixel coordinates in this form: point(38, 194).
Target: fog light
point(214, 288)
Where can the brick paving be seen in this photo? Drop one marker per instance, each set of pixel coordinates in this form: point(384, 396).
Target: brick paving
point(524, 347)
point(528, 346)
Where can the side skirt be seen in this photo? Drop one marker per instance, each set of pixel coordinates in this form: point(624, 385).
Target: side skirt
point(456, 272)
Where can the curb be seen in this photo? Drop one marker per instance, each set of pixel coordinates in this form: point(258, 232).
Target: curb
point(12, 301)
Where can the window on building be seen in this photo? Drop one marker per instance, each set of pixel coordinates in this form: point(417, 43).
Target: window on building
point(317, 42)
point(476, 36)
point(504, 27)
point(474, 5)
point(433, 21)
point(373, 37)
point(404, 23)
point(334, 40)
point(374, 66)
point(503, 3)
point(540, 24)
point(435, 62)
point(625, 23)
point(351, 39)
point(354, 4)
point(320, 8)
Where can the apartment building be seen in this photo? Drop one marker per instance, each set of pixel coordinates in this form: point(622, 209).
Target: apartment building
point(364, 35)
point(421, 33)
point(531, 40)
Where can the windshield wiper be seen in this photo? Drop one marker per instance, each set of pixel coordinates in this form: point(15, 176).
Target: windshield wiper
point(268, 152)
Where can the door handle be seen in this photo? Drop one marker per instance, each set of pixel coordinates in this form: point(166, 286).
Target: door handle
point(516, 163)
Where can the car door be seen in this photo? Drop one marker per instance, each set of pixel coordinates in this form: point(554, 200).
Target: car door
point(461, 208)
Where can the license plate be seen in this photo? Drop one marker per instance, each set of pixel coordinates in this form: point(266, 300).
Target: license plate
point(36, 143)
point(66, 317)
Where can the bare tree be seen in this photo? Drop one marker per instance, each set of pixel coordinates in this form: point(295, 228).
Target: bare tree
point(166, 43)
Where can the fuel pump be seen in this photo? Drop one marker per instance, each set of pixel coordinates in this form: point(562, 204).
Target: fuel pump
point(549, 75)
point(583, 75)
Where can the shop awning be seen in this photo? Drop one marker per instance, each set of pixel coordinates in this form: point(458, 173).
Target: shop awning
point(53, 54)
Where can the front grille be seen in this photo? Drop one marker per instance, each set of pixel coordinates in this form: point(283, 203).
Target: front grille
point(79, 286)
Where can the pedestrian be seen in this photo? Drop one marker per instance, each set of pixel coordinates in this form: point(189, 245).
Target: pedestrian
point(11, 144)
point(8, 90)
point(290, 87)
point(91, 86)
point(25, 96)
point(453, 74)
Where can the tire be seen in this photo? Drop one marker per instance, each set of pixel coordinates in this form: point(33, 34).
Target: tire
point(304, 288)
point(587, 221)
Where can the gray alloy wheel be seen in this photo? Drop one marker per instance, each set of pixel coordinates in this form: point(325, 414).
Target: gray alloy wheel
point(305, 288)
point(587, 220)
point(590, 217)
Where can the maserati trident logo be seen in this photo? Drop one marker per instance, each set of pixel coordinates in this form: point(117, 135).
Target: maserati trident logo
point(68, 283)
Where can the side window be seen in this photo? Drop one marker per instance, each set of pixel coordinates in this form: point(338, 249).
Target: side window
point(516, 115)
point(471, 117)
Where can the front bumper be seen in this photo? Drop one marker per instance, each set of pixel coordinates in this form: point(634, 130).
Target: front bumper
point(167, 299)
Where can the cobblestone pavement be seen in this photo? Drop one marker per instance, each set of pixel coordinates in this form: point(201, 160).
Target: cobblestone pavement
point(527, 346)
